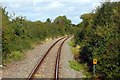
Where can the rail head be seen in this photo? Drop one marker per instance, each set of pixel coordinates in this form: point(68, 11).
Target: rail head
point(32, 73)
point(56, 71)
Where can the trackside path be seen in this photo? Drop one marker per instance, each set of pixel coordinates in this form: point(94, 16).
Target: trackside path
point(21, 69)
point(65, 70)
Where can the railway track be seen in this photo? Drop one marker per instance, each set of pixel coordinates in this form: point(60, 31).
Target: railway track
point(41, 60)
point(56, 73)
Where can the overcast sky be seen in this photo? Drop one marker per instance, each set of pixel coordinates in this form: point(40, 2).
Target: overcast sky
point(43, 9)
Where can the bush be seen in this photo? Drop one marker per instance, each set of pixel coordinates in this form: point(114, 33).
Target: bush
point(19, 33)
point(98, 38)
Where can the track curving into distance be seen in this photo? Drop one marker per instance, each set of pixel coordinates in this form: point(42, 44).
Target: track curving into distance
point(56, 72)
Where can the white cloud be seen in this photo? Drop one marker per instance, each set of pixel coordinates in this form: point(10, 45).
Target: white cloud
point(16, 5)
point(16, 0)
point(34, 1)
point(69, 9)
point(94, 5)
point(82, 1)
point(42, 9)
point(54, 5)
point(50, 6)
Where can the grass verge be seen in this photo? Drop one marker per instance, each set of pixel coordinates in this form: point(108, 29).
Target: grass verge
point(75, 64)
point(71, 43)
point(14, 56)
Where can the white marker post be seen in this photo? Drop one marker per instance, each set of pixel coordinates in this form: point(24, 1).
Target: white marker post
point(94, 70)
point(94, 66)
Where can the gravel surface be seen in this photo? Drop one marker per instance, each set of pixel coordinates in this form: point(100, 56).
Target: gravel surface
point(46, 70)
point(0, 73)
point(65, 70)
point(22, 68)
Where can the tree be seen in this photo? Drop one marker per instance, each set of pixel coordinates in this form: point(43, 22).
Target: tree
point(63, 21)
point(48, 20)
point(99, 38)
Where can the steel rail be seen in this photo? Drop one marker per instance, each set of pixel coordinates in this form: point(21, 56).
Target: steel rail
point(32, 73)
point(56, 72)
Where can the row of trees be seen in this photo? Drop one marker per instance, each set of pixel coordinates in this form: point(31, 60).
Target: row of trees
point(99, 39)
point(19, 33)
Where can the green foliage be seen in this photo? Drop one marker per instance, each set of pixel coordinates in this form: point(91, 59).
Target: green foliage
point(75, 65)
point(63, 21)
point(48, 20)
point(72, 43)
point(19, 34)
point(99, 38)
point(75, 50)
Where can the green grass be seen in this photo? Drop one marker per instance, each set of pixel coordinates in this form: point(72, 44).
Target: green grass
point(14, 56)
point(17, 55)
point(75, 50)
point(75, 65)
point(87, 74)
point(80, 67)
point(71, 43)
